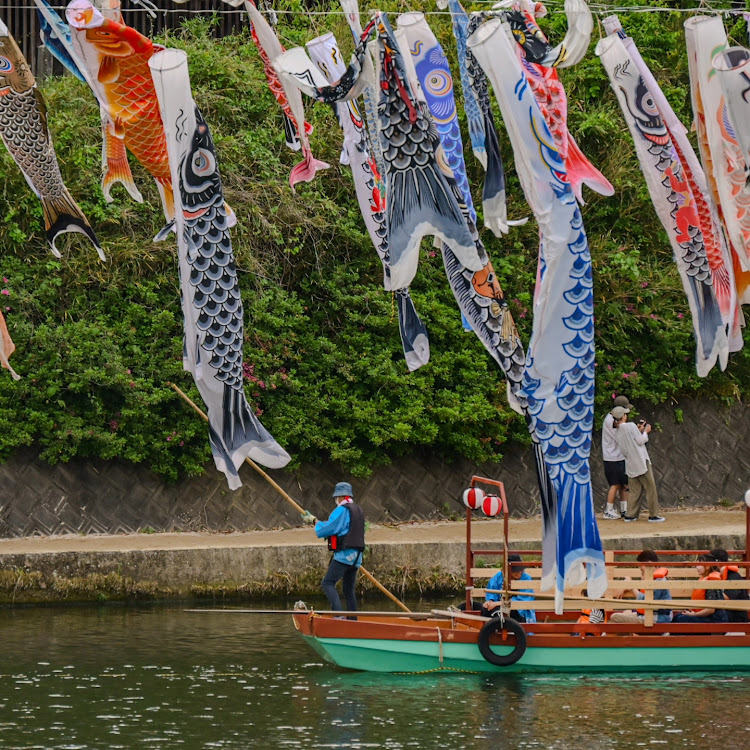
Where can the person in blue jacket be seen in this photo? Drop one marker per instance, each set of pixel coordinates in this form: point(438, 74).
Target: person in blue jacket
point(345, 532)
point(493, 601)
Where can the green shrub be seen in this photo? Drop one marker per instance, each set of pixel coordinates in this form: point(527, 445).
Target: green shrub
point(97, 342)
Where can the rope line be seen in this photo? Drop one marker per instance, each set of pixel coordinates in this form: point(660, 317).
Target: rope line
point(595, 8)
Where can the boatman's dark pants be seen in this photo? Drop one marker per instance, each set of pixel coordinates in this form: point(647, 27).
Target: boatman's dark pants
point(336, 572)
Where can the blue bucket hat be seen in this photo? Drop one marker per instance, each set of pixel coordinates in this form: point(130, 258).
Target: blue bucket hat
point(342, 489)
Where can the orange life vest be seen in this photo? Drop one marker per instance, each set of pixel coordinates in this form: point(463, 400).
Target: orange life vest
point(659, 574)
point(714, 575)
point(727, 569)
point(586, 617)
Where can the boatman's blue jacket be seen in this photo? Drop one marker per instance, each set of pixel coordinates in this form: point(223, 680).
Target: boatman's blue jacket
point(338, 524)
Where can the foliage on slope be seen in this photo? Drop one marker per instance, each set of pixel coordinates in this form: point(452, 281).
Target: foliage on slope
point(97, 342)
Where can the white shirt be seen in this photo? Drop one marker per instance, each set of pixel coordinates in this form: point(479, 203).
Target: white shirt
point(632, 442)
point(610, 450)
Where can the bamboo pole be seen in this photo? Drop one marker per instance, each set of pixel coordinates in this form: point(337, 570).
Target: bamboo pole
point(336, 613)
point(290, 500)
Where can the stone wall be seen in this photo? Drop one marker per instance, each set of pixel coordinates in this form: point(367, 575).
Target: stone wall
point(699, 452)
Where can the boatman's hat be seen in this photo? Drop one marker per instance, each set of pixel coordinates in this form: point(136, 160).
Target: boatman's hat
point(343, 489)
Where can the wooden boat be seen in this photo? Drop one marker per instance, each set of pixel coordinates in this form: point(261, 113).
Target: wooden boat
point(455, 641)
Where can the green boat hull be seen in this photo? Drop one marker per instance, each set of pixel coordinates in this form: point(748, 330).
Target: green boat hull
point(375, 655)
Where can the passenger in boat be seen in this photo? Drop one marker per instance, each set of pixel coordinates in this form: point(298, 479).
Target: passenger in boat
point(593, 616)
point(661, 615)
point(731, 573)
point(708, 570)
point(493, 601)
point(345, 532)
point(614, 465)
point(632, 441)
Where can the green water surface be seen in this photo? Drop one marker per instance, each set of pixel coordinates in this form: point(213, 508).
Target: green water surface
point(160, 677)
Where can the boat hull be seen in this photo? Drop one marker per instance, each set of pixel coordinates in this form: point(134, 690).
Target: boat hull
point(409, 657)
point(411, 647)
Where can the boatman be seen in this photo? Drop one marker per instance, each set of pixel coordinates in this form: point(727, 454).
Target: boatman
point(345, 532)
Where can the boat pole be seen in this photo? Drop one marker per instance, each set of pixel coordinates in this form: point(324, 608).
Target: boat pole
point(289, 499)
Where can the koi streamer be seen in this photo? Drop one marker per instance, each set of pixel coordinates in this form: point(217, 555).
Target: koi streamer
point(24, 131)
point(116, 57)
point(559, 376)
point(370, 190)
point(705, 214)
point(57, 38)
point(670, 181)
point(211, 302)
point(7, 347)
point(722, 157)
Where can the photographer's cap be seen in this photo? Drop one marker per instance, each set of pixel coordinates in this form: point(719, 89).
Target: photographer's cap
point(343, 489)
point(619, 412)
point(623, 401)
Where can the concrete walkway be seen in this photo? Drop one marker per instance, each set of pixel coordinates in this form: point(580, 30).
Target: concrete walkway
point(680, 524)
point(410, 558)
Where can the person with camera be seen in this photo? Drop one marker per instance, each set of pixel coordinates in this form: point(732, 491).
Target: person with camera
point(614, 465)
point(632, 439)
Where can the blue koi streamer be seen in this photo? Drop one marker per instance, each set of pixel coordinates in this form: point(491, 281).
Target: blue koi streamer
point(559, 377)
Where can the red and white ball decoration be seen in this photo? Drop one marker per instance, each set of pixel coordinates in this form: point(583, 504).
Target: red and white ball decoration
point(473, 498)
point(491, 505)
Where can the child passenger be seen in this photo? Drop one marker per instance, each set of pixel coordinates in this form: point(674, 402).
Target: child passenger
point(708, 570)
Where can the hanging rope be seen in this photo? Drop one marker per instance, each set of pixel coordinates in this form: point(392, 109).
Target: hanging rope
point(596, 9)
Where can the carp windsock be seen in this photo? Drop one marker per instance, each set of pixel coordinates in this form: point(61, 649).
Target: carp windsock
point(559, 375)
point(478, 294)
point(211, 303)
point(58, 39)
point(674, 192)
point(23, 128)
point(116, 60)
point(553, 103)
point(370, 190)
point(722, 157)
point(421, 198)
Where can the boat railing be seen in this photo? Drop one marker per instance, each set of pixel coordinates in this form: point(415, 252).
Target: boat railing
point(682, 580)
point(622, 569)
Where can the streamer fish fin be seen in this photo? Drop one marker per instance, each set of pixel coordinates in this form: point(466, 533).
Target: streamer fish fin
point(7, 347)
point(115, 166)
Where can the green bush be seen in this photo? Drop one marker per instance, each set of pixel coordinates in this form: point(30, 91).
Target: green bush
point(97, 342)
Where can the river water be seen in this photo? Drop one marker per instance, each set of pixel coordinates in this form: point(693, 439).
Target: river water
point(160, 677)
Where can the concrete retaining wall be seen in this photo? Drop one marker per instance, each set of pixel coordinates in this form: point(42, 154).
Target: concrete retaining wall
point(247, 572)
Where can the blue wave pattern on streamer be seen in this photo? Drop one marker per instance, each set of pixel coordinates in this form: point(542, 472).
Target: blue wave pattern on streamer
point(564, 421)
point(474, 116)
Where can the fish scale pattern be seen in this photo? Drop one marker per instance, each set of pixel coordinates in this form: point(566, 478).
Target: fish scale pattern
point(132, 101)
point(437, 84)
point(672, 197)
point(24, 132)
point(213, 274)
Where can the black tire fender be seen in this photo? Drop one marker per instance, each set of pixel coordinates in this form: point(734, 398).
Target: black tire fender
point(495, 625)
